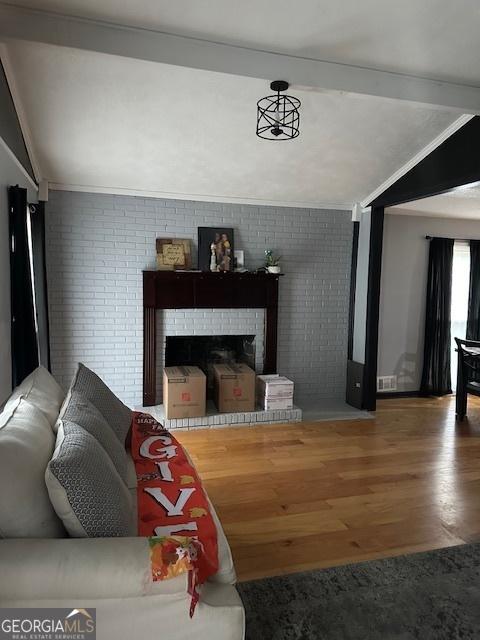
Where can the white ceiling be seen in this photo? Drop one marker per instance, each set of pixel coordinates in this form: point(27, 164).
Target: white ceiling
point(110, 123)
point(462, 203)
point(430, 38)
point(107, 122)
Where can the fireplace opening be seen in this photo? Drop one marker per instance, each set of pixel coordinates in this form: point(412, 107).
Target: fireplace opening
point(205, 351)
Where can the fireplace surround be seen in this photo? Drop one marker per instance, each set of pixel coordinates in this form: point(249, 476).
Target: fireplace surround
point(198, 290)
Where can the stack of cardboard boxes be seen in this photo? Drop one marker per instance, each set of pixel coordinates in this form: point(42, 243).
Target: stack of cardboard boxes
point(184, 390)
point(274, 392)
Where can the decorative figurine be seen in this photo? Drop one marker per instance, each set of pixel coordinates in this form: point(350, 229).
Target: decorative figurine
point(213, 257)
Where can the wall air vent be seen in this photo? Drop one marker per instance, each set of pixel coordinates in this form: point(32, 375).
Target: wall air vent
point(386, 383)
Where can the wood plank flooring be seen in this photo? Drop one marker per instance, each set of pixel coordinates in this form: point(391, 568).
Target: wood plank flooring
point(318, 494)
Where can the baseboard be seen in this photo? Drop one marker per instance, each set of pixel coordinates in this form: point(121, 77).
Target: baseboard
point(398, 394)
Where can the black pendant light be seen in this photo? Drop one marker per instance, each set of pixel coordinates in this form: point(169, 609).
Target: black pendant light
point(277, 116)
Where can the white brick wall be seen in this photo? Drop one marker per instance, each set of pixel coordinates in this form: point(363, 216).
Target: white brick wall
point(98, 245)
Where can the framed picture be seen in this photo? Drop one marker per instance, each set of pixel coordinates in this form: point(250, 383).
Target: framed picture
point(215, 249)
point(173, 253)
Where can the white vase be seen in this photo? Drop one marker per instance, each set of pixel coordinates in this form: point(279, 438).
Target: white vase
point(275, 269)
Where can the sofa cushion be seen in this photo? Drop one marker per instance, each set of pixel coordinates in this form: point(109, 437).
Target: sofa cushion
point(42, 390)
point(26, 445)
point(81, 411)
point(118, 415)
point(84, 487)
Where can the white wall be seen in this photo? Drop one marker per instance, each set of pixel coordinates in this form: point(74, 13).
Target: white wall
point(361, 290)
point(403, 291)
point(11, 173)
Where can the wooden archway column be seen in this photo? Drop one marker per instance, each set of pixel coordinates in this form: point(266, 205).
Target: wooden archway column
point(454, 163)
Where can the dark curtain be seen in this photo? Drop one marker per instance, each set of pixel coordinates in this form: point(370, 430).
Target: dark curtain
point(473, 320)
point(37, 218)
point(436, 377)
point(24, 337)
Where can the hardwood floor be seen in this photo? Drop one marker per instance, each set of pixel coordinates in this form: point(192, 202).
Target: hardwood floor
point(308, 495)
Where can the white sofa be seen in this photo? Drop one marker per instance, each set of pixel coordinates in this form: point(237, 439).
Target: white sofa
point(41, 567)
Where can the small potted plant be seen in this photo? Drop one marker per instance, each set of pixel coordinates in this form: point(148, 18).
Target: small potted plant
point(272, 262)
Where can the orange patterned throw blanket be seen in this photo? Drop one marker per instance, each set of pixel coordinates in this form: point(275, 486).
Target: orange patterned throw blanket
point(173, 510)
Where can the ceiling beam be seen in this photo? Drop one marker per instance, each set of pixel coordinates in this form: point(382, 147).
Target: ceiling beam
point(143, 44)
point(418, 157)
point(20, 111)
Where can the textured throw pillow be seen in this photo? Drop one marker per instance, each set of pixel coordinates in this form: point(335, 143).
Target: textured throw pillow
point(26, 445)
point(118, 415)
point(81, 411)
point(42, 391)
point(85, 489)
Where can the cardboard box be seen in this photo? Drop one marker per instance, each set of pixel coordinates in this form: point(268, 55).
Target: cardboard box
point(234, 388)
point(274, 386)
point(184, 392)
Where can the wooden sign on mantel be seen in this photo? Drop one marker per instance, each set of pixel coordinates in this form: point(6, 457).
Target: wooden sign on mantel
point(173, 253)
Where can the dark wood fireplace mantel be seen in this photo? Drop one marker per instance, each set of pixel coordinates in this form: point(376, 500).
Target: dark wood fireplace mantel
point(199, 290)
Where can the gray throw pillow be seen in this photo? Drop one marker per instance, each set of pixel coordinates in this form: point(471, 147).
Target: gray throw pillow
point(82, 412)
point(117, 414)
point(86, 491)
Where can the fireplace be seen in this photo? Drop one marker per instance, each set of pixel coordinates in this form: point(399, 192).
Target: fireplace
point(191, 305)
point(186, 336)
point(205, 351)
point(201, 351)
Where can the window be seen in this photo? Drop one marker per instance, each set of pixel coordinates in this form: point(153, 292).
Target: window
point(459, 309)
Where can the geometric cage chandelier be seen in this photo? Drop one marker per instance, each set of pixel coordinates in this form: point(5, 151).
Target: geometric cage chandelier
point(278, 117)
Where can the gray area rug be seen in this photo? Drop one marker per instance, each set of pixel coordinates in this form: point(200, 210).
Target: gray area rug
point(425, 596)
